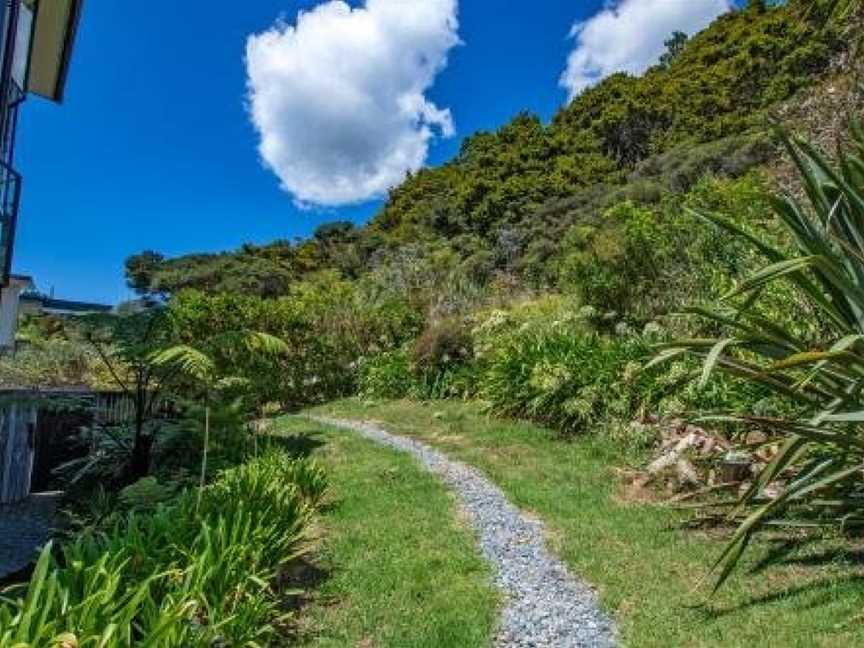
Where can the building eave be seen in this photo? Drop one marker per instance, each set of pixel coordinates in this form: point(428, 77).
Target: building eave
point(56, 67)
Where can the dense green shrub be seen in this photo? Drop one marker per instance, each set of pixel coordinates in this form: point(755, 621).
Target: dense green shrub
point(327, 324)
point(230, 440)
point(393, 375)
point(539, 359)
point(178, 577)
point(566, 380)
point(611, 263)
point(645, 261)
point(386, 375)
point(543, 359)
point(55, 362)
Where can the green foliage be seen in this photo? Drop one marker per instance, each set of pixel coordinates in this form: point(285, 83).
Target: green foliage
point(326, 326)
point(208, 384)
point(173, 578)
point(199, 365)
point(502, 204)
point(442, 343)
point(393, 375)
point(560, 378)
point(310, 479)
point(230, 439)
point(54, 363)
point(717, 85)
point(265, 271)
point(674, 46)
point(610, 263)
point(539, 360)
point(126, 344)
point(386, 375)
point(544, 360)
point(141, 270)
point(145, 494)
point(40, 328)
point(54, 352)
point(815, 361)
point(640, 260)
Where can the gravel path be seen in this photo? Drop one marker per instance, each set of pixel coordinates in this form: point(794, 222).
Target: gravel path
point(545, 606)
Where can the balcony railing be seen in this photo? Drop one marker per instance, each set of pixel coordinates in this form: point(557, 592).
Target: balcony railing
point(10, 197)
point(16, 31)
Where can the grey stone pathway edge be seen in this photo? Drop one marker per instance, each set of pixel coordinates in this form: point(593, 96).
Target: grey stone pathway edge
point(544, 605)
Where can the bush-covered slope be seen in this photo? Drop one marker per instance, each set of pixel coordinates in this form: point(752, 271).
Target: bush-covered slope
point(504, 202)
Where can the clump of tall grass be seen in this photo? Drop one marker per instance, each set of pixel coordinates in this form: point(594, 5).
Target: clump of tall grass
point(181, 576)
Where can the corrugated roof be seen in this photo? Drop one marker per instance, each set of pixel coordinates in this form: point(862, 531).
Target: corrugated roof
point(68, 305)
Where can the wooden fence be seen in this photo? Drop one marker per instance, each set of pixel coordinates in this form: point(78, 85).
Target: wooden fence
point(17, 450)
point(32, 422)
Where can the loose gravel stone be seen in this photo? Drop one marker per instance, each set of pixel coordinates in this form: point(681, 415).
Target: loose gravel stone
point(544, 605)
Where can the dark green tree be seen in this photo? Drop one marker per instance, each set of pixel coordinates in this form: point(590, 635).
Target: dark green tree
point(675, 44)
point(141, 271)
point(337, 230)
point(757, 5)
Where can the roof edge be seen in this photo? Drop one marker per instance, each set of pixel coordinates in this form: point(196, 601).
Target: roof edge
point(75, 9)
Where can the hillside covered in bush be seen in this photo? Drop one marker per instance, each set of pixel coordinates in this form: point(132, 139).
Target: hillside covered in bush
point(519, 202)
point(643, 321)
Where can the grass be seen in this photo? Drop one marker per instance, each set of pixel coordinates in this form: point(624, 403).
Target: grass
point(646, 567)
point(398, 567)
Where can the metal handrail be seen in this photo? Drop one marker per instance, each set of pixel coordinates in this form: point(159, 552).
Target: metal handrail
point(11, 97)
point(10, 198)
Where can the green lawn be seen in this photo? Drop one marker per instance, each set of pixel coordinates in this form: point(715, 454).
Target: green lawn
point(398, 567)
point(645, 566)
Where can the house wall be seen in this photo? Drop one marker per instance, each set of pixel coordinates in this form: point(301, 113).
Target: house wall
point(9, 313)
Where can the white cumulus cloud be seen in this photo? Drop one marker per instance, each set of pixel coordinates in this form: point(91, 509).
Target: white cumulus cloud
point(628, 35)
point(339, 96)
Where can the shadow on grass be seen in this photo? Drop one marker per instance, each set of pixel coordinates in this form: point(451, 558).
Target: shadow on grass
point(298, 444)
point(803, 553)
point(812, 595)
point(299, 582)
point(786, 553)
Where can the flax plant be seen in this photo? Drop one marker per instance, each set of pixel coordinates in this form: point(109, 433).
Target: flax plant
point(820, 461)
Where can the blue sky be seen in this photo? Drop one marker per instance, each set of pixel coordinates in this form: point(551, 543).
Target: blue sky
point(154, 147)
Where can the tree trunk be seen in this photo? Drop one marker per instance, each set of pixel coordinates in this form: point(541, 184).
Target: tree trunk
point(143, 447)
point(141, 451)
point(204, 456)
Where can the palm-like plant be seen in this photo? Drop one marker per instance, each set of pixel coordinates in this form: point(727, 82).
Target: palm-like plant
point(200, 365)
point(125, 346)
point(821, 450)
